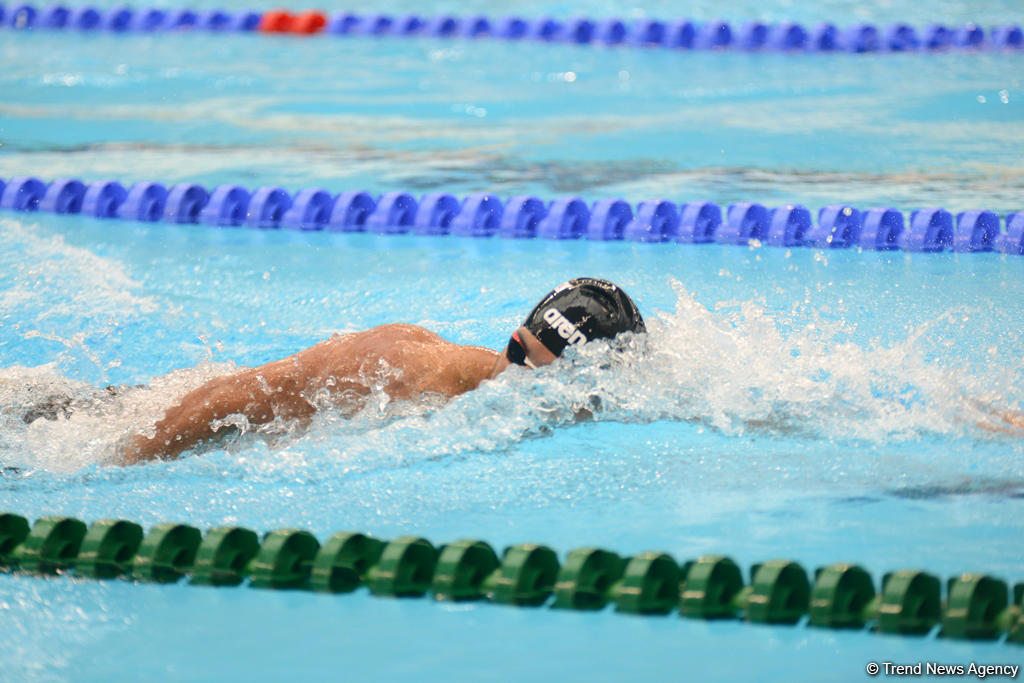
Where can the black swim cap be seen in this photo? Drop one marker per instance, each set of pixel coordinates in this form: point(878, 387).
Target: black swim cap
point(581, 310)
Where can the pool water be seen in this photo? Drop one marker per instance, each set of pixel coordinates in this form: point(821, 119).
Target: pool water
point(819, 406)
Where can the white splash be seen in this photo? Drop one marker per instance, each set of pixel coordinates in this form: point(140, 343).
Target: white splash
point(39, 265)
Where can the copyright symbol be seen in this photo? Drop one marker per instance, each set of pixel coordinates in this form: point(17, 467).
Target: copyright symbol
point(872, 669)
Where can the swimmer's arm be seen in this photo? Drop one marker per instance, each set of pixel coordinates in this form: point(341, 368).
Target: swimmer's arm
point(261, 395)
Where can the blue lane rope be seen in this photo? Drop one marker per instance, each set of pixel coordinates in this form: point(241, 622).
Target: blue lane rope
point(485, 215)
point(838, 226)
point(678, 34)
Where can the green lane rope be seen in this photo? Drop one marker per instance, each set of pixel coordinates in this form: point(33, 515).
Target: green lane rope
point(842, 596)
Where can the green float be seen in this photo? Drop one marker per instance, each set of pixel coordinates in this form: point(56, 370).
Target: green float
point(13, 532)
point(285, 559)
point(108, 549)
point(974, 606)
point(842, 597)
point(525, 578)
point(224, 555)
point(405, 569)
point(341, 564)
point(711, 586)
point(461, 570)
point(167, 553)
point(51, 546)
point(586, 578)
point(649, 585)
point(779, 593)
point(910, 603)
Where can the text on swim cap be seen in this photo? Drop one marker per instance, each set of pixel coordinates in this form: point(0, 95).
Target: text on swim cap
point(566, 330)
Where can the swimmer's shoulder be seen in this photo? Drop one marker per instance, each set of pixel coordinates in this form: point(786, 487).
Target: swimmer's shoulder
point(390, 342)
point(388, 331)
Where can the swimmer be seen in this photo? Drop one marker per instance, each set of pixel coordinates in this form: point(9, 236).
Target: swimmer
point(406, 361)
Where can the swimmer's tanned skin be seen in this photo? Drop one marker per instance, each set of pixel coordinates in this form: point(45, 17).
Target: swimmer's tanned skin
point(343, 366)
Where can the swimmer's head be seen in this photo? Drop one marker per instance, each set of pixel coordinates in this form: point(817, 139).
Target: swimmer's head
point(581, 310)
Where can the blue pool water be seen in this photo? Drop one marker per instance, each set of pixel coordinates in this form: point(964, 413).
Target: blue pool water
point(812, 405)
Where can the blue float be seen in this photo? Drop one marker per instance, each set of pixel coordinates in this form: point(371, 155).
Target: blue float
point(23, 17)
point(228, 206)
point(969, 36)
point(85, 19)
point(608, 219)
point(860, 38)
point(579, 30)
point(544, 29)
point(23, 193)
point(936, 37)
point(54, 17)
point(393, 215)
point(839, 227)
point(681, 34)
point(929, 230)
point(1012, 241)
point(566, 219)
point(181, 20)
point(480, 216)
point(611, 32)
point(376, 25)
point(64, 195)
point(215, 20)
point(713, 35)
point(351, 209)
point(900, 38)
point(310, 210)
point(343, 23)
point(267, 206)
point(117, 19)
point(753, 35)
point(648, 33)
point(881, 229)
point(824, 37)
point(512, 28)
point(103, 198)
point(788, 226)
point(444, 26)
point(245, 22)
point(476, 27)
point(975, 231)
point(144, 202)
point(409, 24)
point(656, 220)
point(788, 36)
point(743, 222)
point(184, 203)
point(521, 216)
point(698, 222)
point(435, 214)
point(1008, 37)
point(148, 20)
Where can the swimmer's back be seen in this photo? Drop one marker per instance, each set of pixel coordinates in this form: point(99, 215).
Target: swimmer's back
point(402, 359)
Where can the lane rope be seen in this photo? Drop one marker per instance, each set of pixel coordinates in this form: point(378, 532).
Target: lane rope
point(676, 34)
point(839, 226)
point(841, 596)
